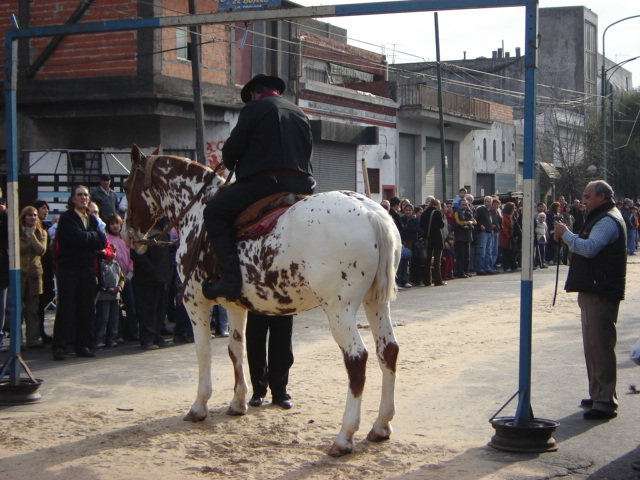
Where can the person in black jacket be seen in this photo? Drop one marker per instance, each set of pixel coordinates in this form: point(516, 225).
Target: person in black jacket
point(152, 272)
point(270, 151)
point(432, 223)
point(78, 240)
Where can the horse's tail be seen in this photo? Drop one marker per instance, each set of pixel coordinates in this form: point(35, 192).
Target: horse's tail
point(384, 289)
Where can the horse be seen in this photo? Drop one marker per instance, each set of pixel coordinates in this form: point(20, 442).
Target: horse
point(336, 250)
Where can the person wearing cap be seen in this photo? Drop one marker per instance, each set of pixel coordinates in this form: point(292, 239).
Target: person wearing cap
point(105, 198)
point(270, 151)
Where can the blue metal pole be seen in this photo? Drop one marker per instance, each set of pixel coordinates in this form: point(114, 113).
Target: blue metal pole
point(523, 412)
point(11, 125)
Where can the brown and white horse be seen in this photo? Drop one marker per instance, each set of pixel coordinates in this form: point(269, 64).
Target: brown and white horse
point(336, 250)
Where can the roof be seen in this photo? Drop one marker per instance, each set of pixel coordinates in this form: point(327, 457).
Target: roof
point(550, 170)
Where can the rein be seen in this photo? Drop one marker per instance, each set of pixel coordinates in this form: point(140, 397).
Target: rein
point(193, 261)
point(148, 185)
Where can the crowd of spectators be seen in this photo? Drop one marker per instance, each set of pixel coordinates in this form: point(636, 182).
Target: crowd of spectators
point(459, 238)
point(80, 266)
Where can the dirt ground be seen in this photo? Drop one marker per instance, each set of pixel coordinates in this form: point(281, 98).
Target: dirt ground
point(120, 416)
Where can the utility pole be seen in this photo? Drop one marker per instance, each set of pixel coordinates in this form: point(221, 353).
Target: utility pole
point(443, 159)
point(194, 48)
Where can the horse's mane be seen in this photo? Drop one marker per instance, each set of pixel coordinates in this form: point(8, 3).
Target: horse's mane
point(185, 167)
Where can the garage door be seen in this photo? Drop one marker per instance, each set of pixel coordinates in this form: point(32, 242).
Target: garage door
point(407, 168)
point(434, 169)
point(334, 166)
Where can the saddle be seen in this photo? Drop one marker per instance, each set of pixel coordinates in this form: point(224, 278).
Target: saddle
point(260, 218)
point(255, 221)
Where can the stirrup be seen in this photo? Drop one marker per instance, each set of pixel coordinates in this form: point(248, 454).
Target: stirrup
point(215, 290)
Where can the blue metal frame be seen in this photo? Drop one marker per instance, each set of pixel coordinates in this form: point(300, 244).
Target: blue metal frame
point(523, 414)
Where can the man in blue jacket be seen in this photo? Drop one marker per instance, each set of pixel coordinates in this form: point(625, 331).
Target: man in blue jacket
point(270, 152)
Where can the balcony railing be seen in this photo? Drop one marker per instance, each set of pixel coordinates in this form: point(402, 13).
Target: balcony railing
point(427, 97)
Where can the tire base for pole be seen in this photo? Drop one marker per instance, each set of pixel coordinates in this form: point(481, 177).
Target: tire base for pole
point(25, 392)
point(534, 437)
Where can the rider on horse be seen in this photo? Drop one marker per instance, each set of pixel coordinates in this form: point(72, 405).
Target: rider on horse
point(270, 151)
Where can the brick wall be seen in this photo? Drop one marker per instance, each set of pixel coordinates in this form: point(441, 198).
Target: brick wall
point(7, 8)
point(114, 53)
point(381, 89)
point(501, 113)
point(85, 55)
point(332, 51)
point(214, 46)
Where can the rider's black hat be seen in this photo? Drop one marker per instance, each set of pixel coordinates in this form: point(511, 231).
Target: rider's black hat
point(261, 80)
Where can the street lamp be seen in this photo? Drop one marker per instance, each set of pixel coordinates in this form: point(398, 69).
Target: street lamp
point(386, 155)
point(603, 91)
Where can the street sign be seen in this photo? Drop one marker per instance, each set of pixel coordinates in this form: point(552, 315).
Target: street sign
point(234, 5)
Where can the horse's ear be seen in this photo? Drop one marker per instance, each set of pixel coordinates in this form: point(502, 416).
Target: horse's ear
point(158, 151)
point(136, 154)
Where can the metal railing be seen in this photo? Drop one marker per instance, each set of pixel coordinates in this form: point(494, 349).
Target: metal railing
point(427, 97)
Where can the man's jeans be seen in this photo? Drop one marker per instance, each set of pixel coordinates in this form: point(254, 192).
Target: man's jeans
point(402, 276)
point(483, 252)
point(631, 242)
point(494, 251)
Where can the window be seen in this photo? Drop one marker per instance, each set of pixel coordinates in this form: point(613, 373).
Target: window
point(374, 179)
point(495, 153)
point(85, 167)
point(484, 148)
point(503, 152)
point(590, 58)
point(182, 43)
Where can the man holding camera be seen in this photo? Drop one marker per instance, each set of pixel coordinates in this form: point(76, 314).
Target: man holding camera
point(597, 272)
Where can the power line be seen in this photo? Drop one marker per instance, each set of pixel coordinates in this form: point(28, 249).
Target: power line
point(479, 85)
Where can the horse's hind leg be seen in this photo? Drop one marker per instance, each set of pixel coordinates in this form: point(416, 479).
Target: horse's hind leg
point(387, 352)
point(202, 337)
point(345, 332)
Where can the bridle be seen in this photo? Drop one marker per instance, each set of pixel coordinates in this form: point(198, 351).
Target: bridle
point(148, 186)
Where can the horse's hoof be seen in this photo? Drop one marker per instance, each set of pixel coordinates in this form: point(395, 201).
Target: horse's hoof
point(236, 411)
point(338, 450)
point(194, 417)
point(374, 436)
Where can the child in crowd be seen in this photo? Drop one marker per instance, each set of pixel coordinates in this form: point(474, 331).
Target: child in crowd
point(128, 325)
point(111, 283)
point(542, 238)
point(449, 256)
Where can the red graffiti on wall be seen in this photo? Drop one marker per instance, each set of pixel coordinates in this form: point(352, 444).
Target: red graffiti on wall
point(214, 155)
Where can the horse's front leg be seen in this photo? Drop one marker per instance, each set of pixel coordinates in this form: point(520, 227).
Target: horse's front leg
point(202, 335)
point(237, 325)
point(379, 318)
point(345, 332)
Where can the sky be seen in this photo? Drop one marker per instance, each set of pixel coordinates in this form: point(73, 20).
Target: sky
point(411, 37)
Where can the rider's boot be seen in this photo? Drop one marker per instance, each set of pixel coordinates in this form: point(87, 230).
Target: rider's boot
point(230, 282)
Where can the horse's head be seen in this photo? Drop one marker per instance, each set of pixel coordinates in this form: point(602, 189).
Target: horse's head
point(143, 206)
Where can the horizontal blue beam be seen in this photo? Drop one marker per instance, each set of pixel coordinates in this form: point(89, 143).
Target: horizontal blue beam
point(89, 27)
point(373, 8)
point(424, 6)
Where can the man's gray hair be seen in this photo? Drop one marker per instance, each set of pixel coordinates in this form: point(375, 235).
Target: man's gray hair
point(600, 186)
